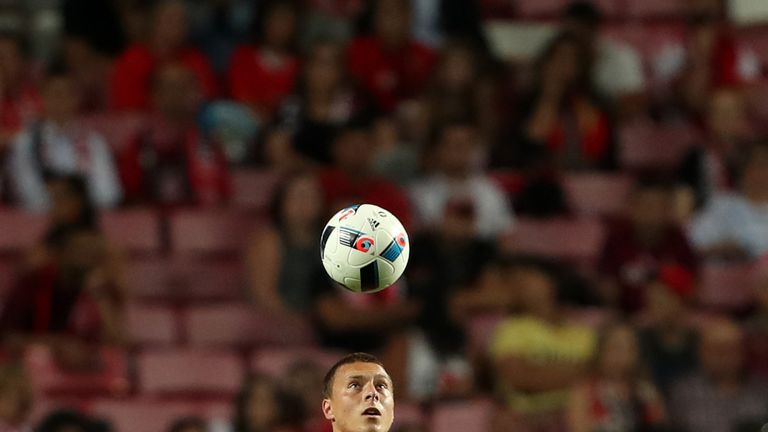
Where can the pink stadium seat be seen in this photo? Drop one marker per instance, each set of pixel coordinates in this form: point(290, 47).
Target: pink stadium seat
point(596, 194)
point(48, 378)
point(151, 325)
point(135, 231)
point(151, 279)
point(276, 361)
point(474, 415)
point(253, 189)
point(241, 325)
point(481, 329)
point(578, 240)
point(540, 8)
point(117, 128)
point(200, 279)
point(408, 414)
point(726, 286)
point(189, 372)
point(650, 146)
point(141, 414)
point(20, 230)
point(590, 317)
point(655, 8)
point(8, 274)
point(209, 232)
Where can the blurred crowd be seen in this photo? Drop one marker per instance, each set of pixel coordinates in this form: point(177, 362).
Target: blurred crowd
point(407, 104)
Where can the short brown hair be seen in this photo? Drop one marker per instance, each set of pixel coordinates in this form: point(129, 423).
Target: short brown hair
point(358, 357)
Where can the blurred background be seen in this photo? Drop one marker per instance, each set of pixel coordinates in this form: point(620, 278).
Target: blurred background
point(585, 185)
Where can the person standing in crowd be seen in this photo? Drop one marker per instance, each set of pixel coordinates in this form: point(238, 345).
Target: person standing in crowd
point(59, 144)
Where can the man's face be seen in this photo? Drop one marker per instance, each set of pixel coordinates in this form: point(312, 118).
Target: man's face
point(361, 399)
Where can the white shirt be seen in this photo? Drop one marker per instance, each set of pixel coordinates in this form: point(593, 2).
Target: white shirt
point(63, 153)
point(731, 218)
point(618, 69)
point(493, 214)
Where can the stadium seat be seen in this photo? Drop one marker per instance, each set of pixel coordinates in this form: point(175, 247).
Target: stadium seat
point(276, 361)
point(594, 194)
point(474, 415)
point(151, 325)
point(409, 414)
point(655, 8)
point(540, 8)
point(590, 317)
point(49, 378)
point(151, 279)
point(253, 189)
point(20, 230)
point(145, 415)
point(189, 373)
point(8, 275)
point(209, 232)
point(117, 128)
point(242, 325)
point(481, 329)
point(135, 231)
point(726, 287)
point(206, 280)
point(648, 146)
point(576, 240)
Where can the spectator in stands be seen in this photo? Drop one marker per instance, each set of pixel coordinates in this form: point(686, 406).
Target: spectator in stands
point(261, 75)
point(16, 398)
point(69, 421)
point(58, 144)
point(538, 355)
point(756, 326)
point(72, 303)
point(262, 407)
point(462, 88)
point(708, 59)
point(617, 71)
point(720, 395)
point(283, 266)
point(716, 165)
point(563, 121)
point(131, 80)
point(618, 396)
point(639, 243)
point(351, 180)
point(189, 424)
point(389, 64)
point(170, 163)
point(735, 224)
point(19, 99)
point(456, 176)
point(669, 342)
point(219, 27)
point(322, 102)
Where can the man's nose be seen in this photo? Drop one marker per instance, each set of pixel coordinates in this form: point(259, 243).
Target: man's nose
point(371, 393)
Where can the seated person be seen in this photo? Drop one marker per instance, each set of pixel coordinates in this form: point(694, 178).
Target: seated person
point(73, 303)
point(734, 225)
point(720, 396)
point(170, 163)
point(130, 86)
point(57, 144)
point(639, 243)
point(538, 356)
point(455, 175)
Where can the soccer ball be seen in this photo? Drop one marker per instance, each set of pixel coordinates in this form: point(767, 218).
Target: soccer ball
point(364, 248)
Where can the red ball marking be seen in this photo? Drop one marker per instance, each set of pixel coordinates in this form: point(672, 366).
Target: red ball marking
point(364, 244)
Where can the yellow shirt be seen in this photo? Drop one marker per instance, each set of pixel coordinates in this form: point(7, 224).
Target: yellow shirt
point(542, 343)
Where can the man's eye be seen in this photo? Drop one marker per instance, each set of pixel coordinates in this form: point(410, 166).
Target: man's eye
point(353, 385)
point(383, 386)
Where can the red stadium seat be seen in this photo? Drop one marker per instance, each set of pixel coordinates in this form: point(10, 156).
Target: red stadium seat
point(409, 414)
point(276, 361)
point(655, 8)
point(20, 230)
point(205, 280)
point(646, 146)
point(8, 274)
point(209, 232)
point(474, 415)
point(189, 373)
point(253, 189)
point(135, 231)
point(151, 325)
point(152, 279)
point(594, 194)
point(241, 325)
point(577, 240)
point(726, 287)
point(141, 414)
point(117, 128)
point(540, 8)
point(48, 378)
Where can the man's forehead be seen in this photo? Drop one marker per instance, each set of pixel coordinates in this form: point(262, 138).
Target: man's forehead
point(361, 369)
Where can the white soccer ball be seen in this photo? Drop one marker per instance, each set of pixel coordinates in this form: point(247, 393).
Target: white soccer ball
point(364, 248)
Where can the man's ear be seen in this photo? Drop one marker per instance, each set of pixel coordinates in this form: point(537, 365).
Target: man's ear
point(328, 410)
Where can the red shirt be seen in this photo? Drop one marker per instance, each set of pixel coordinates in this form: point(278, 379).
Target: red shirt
point(341, 191)
point(19, 109)
point(187, 170)
point(631, 264)
point(130, 86)
point(390, 76)
point(255, 77)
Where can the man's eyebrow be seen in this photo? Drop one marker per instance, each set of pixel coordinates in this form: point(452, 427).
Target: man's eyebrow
point(364, 377)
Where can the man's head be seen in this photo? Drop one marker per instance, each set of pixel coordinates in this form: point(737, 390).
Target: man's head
point(352, 149)
point(583, 19)
point(457, 148)
point(61, 98)
point(176, 94)
point(358, 395)
point(651, 204)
